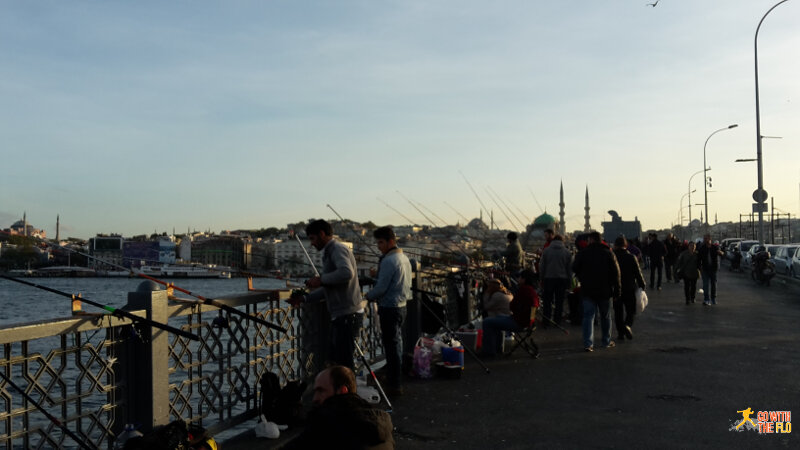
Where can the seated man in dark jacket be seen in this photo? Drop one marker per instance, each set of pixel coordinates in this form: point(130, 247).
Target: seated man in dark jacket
point(341, 419)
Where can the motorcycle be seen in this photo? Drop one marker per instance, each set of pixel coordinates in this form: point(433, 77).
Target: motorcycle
point(763, 268)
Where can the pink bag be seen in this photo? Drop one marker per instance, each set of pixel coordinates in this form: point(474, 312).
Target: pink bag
point(423, 356)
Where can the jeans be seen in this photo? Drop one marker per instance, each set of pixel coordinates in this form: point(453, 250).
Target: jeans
point(554, 289)
point(344, 331)
point(391, 320)
point(493, 328)
point(589, 307)
point(656, 265)
point(690, 288)
point(624, 311)
point(709, 286)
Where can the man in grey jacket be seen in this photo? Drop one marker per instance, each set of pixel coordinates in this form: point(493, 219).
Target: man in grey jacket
point(339, 287)
point(555, 269)
point(392, 290)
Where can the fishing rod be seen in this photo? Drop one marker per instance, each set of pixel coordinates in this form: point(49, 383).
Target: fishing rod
point(503, 211)
point(44, 411)
point(112, 310)
point(520, 222)
point(358, 348)
point(534, 199)
point(429, 235)
point(207, 301)
point(360, 238)
point(475, 193)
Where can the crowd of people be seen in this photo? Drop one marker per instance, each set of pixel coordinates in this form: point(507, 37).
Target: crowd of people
point(602, 278)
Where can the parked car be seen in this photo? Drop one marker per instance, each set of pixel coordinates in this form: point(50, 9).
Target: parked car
point(726, 245)
point(795, 270)
point(783, 259)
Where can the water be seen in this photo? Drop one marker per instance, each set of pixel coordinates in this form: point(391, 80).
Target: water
point(20, 303)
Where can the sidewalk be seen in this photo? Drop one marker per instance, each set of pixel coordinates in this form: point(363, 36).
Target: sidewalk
point(678, 384)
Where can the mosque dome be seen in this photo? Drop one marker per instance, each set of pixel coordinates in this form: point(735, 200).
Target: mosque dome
point(544, 221)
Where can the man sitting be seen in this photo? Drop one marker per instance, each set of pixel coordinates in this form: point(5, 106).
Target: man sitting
point(342, 419)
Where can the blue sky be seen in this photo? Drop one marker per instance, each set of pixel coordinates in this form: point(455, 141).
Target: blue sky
point(134, 117)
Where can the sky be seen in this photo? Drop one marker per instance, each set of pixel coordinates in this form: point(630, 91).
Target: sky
point(140, 117)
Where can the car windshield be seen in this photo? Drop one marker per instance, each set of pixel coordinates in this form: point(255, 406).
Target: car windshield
point(790, 251)
point(746, 245)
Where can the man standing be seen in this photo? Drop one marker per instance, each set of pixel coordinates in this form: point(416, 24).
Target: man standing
point(630, 278)
point(556, 270)
point(656, 251)
point(392, 290)
point(598, 271)
point(339, 283)
point(513, 255)
point(342, 419)
point(708, 262)
point(672, 247)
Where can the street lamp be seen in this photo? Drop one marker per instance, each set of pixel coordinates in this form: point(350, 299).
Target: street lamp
point(680, 211)
point(705, 184)
point(690, 193)
point(760, 195)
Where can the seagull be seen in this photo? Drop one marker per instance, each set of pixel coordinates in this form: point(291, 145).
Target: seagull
point(653, 4)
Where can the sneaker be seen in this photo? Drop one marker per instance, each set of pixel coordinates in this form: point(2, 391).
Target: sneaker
point(589, 349)
point(628, 332)
point(611, 344)
point(706, 303)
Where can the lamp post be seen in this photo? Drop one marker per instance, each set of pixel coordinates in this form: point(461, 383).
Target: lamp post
point(680, 211)
point(705, 179)
point(690, 193)
point(760, 195)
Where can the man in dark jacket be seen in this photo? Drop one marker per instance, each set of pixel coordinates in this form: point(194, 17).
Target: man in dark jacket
point(672, 247)
point(708, 263)
point(598, 272)
point(630, 278)
point(341, 419)
point(656, 251)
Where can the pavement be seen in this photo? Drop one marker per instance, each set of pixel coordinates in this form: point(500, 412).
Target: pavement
point(678, 384)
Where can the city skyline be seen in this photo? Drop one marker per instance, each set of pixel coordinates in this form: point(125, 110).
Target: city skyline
point(196, 115)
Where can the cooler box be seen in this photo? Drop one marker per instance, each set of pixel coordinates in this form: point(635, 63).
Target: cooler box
point(471, 339)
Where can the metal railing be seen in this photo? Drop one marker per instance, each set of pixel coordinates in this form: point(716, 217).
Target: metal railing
point(96, 373)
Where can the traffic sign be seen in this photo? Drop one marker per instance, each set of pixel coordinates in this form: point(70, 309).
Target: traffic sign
point(759, 207)
point(760, 195)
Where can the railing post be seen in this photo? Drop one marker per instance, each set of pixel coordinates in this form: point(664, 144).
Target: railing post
point(144, 362)
point(313, 335)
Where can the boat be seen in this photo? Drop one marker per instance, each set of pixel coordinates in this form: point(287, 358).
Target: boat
point(185, 271)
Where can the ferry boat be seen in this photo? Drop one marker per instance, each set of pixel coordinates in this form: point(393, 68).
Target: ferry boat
point(185, 271)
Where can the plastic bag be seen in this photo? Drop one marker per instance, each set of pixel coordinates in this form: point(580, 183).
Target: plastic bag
point(423, 357)
point(267, 429)
point(641, 300)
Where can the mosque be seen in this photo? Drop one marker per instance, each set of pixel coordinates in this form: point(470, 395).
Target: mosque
point(534, 234)
point(23, 228)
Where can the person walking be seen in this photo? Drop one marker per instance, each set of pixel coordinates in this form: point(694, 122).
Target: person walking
point(598, 272)
point(708, 261)
point(687, 270)
point(672, 249)
point(555, 268)
point(630, 279)
point(656, 251)
point(392, 290)
point(338, 285)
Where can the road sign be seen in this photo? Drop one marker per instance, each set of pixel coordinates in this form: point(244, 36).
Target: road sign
point(760, 195)
point(759, 207)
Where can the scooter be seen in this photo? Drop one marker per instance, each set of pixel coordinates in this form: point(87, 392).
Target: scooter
point(763, 268)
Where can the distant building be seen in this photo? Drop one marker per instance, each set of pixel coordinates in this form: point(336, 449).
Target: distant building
point(106, 249)
point(23, 228)
point(228, 251)
point(617, 226)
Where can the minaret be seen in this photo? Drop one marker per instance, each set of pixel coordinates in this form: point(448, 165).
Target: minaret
point(58, 227)
point(561, 225)
point(25, 223)
point(586, 227)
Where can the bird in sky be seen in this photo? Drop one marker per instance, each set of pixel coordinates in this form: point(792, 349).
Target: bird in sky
point(653, 4)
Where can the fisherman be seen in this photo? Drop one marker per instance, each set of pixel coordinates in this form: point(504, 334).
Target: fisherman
point(513, 255)
point(555, 268)
point(342, 419)
point(340, 289)
point(392, 290)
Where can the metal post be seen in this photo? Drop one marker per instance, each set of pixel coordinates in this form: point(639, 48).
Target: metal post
point(706, 169)
point(760, 196)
